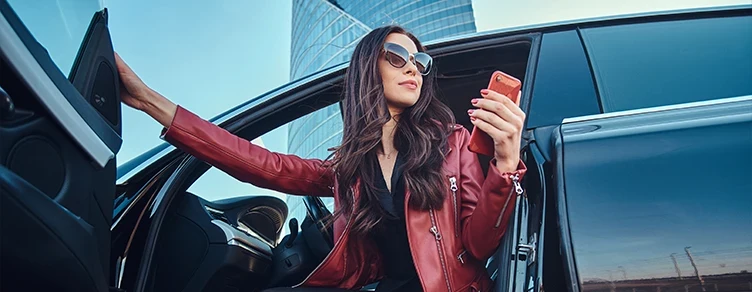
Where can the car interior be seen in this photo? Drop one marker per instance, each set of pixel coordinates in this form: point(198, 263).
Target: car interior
point(235, 245)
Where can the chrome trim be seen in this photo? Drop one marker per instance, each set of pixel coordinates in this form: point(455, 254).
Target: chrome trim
point(238, 238)
point(121, 271)
point(658, 109)
point(586, 20)
point(210, 209)
point(243, 245)
point(36, 78)
point(250, 231)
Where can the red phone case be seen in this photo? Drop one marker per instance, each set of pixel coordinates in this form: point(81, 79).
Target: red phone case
point(503, 83)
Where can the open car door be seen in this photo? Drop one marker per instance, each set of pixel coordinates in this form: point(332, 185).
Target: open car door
point(59, 133)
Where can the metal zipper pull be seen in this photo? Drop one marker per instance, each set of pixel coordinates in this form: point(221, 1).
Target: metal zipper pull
point(453, 187)
point(518, 190)
point(517, 186)
point(459, 257)
point(435, 232)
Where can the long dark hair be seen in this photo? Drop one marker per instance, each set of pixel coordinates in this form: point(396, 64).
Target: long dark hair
point(420, 136)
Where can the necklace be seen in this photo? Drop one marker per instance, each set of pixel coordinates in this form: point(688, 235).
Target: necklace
point(388, 156)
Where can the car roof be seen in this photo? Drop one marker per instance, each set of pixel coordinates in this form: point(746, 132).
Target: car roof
point(587, 22)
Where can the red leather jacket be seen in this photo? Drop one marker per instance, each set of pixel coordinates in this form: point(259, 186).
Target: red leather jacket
point(449, 245)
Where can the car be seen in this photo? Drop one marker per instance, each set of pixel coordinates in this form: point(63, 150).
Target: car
point(637, 142)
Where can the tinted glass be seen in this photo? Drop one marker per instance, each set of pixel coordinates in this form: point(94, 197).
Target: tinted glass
point(563, 83)
point(663, 63)
point(58, 25)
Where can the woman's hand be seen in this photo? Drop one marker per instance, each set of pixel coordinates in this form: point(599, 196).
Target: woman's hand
point(502, 119)
point(136, 94)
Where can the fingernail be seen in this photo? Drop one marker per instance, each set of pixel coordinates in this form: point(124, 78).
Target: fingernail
point(472, 119)
point(484, 91)
point(470, 112)
point(474, 101)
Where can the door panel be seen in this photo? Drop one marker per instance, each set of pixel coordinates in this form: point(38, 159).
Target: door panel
point(42, 240)
point(57, 169)
point(659, 199)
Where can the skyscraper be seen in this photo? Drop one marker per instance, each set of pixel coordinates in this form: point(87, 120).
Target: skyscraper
point(325, 33)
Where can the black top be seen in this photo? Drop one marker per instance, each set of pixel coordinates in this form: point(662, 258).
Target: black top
point(391, 234)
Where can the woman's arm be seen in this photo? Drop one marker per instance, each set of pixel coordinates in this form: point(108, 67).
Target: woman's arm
point(487, 204)
point(245, 161)
point(234, 155)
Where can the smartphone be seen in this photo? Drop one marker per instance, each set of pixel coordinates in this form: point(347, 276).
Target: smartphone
point(503, 83)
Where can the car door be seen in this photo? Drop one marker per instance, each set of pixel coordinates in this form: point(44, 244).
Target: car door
point(633, 213)
point(60, 129)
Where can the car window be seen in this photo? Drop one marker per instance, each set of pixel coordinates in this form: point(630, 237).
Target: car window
point(563, 83)
point(58, 25)
point(311, 137)
point(308, 137)
point(672, 62)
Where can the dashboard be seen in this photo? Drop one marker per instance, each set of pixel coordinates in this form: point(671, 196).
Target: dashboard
point(224, 245)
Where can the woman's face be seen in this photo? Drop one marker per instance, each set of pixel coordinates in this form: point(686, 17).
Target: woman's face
point(401, 85)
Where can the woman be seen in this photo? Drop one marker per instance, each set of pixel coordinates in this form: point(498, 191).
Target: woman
point(413, 208)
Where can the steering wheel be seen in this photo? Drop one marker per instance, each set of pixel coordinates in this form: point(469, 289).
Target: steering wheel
point(301, 251)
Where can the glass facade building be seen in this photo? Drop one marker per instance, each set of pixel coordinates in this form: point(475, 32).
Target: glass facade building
point(325, 33)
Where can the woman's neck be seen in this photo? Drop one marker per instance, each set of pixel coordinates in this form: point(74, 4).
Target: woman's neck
point(387, 136)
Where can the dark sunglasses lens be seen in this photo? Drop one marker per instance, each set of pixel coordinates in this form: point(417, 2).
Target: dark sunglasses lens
point(395, 59)
point(423, 62)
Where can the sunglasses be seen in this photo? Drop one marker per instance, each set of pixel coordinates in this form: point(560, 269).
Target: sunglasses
point(398, 56)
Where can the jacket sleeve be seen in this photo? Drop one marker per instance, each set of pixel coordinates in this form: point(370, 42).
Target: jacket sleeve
point(487, 204)
point(245, 161)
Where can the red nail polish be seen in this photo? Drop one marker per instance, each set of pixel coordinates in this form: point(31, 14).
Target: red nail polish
point(474, 101)
point(473, 119)
point(484, 91)
point(470, 112)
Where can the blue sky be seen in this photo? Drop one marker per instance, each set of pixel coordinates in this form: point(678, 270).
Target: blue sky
point(205, 57)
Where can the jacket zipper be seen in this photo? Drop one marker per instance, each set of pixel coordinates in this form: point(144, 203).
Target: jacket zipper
point(517, 189)
point(347, 226)
point(459, 257)
point(435, 230)
point(453, 186)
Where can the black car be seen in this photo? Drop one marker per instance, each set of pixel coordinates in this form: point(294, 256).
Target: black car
point(638, 143)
